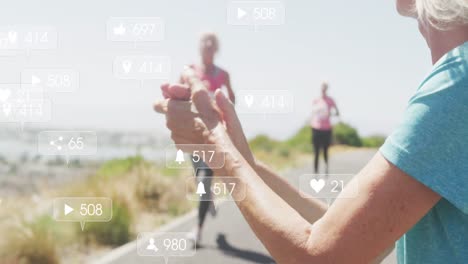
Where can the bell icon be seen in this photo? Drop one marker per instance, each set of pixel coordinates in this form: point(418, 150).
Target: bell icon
point(180, 156)
point(201, 189)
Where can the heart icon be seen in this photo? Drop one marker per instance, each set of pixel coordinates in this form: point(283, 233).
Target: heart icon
point(4, 94)
point(127, 66)
point(249, 100)
point(317, 185)
point(12, 35)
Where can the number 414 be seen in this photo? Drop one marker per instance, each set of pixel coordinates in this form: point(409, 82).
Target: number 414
point(36, 37)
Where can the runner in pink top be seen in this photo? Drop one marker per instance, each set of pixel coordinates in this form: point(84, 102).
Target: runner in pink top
point(214, 78)
point(322, 108)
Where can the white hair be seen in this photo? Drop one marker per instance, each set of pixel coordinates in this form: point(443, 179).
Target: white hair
point(442, 14)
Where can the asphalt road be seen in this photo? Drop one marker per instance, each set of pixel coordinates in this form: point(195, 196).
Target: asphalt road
point(227, 238)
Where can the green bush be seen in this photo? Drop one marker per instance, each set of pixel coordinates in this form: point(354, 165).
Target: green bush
point(347, 135)
point(30, 242)
point(373, 141)
point(168, 172)
point(263, 142)
point(302, 140)
point(343, 134)
point(150, 189)
point(117, 167)
point(115, 232)
point(284, 151)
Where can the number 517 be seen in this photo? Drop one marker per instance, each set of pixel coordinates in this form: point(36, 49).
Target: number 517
point(198, 155)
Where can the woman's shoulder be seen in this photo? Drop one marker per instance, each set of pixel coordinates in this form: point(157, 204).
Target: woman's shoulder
point(330, 100)
point(221, 70)
point(222, 74)
point(448, 79)
point(451, 70)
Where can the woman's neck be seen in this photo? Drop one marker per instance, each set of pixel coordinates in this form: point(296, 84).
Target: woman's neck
point(208, 67)
point(441, 42)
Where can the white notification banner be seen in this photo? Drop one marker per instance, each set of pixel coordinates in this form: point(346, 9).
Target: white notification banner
point(21, 104)
point(188, 155)
point(25, 37)
point(67, 143)
point(256, 13)
point(134, 29)
point(32, 111)
point(264, 102)
point(142, 67)
point(166, 244)
point(52, 80)
point(328, 186)
point(215, 188)
point(15, 92)
point(82, 209)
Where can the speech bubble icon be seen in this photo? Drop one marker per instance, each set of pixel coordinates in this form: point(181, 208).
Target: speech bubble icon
point(38, 37)
point(51, 80)
point(265, 102)
point(199, 154)
point(82, 209)
point(217, 188)
point(29, 37)
point(135, 29)
point(23, 104)
point(67, 143)
point(166, 244)
point(256, 13)
point(328, 186)
point(142, 67)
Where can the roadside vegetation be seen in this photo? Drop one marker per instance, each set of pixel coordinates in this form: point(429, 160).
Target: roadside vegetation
point(298, 148)
point(145, 195)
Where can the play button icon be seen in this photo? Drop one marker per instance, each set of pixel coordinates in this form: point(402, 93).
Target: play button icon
point(67, 209)
point(255, 13)
point(241, 13)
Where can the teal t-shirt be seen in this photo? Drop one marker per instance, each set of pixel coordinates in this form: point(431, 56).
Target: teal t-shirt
point(431, 145)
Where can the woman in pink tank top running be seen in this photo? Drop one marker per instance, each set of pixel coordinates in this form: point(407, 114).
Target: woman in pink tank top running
point(322, 108)
point(214, 78)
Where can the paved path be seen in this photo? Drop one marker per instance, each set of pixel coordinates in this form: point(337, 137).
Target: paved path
point(227, 239)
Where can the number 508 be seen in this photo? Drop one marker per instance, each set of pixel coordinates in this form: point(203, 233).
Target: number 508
point(91, 209)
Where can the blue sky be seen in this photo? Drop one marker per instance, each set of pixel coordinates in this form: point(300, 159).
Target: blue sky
point(372, 57)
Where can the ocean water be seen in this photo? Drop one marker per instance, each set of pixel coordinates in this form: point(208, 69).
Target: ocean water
point(24, 146)
point(24, 171)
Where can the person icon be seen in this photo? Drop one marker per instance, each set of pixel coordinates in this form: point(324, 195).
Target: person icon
point(152, 246)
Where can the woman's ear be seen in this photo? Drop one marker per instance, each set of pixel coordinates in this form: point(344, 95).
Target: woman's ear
point(406, 8)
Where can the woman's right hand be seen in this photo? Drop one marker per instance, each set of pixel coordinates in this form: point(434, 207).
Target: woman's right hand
point(225, 107)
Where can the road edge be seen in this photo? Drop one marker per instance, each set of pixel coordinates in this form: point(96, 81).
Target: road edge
point(118, 252)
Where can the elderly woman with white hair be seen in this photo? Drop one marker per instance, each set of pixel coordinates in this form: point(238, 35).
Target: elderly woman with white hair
point(414, 190)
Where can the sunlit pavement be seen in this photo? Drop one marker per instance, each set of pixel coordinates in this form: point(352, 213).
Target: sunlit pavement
point(228, 239)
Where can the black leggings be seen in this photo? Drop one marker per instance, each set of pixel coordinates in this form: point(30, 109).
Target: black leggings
point(205, 175)
point(321, 139)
